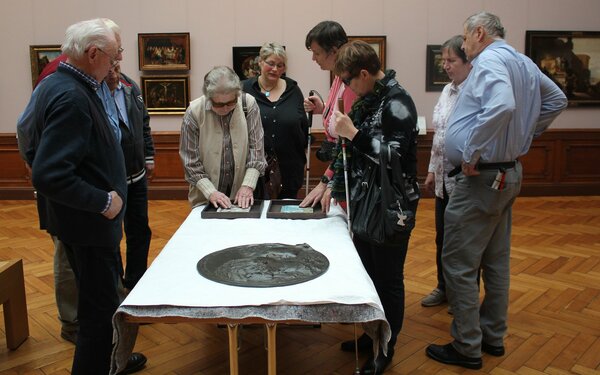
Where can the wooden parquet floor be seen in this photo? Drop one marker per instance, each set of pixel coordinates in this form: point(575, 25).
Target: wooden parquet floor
point(554, 321)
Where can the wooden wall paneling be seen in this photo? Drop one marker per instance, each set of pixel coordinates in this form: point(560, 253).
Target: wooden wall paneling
point(538, 163)
point(560, 162)
point(168, 181)
point(581, 160)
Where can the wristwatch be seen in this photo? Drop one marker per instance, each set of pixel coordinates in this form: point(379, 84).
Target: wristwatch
point(325, 179)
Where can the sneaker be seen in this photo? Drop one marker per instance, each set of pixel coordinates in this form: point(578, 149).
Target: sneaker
point(436, 297)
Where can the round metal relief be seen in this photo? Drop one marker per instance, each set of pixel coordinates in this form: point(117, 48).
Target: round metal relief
point(264, 265)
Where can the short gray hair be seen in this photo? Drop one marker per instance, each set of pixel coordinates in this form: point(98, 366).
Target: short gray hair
point(221, 80)
point(85, 34)
point(272, 48)
point(490, 22)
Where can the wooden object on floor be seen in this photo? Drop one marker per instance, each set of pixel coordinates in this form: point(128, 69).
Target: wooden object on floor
point(12, 297)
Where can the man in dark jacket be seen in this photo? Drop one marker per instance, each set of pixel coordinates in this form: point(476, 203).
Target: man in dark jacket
point(78, 167)
point(138, 151)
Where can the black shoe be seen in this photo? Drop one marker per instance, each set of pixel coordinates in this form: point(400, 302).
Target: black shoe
point(70, 336)
point(376, 366)
point(496, 351)
point(365, 344)
point(448, 355)
point(135, 363)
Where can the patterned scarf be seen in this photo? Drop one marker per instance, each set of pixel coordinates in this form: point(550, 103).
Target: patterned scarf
point(362, 108)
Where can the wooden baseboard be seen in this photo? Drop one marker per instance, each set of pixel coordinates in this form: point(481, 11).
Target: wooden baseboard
point(560, 162)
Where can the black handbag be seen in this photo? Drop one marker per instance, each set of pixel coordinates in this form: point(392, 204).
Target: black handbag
point(379, 209)
point(272, 177)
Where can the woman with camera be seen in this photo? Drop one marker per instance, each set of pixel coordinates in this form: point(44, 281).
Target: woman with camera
point(324, 40)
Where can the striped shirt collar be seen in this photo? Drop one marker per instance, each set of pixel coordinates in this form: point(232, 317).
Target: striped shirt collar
point(91, 81)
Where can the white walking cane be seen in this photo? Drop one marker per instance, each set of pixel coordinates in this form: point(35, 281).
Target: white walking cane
point(346, 187)
point(310, 118)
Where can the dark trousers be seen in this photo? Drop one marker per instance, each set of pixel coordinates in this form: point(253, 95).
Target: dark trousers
point(137, 232)
point(385, 266)
point(97, 271)
point(440, 208)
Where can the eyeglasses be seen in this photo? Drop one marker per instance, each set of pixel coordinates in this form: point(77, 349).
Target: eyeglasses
point(272, 65)
point(221, 105)
point(347, 80)
point(113, 60)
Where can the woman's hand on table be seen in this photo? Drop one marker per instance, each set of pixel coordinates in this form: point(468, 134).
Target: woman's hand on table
point(314, 196)
point(218, 199)
point(326, 200)
point(244, 197)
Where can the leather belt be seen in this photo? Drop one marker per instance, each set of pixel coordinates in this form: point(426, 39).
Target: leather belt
point(503, 165)
point(486, 166)
point(136, 177)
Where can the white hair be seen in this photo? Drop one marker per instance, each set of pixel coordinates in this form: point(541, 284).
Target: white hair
point(221, 80)
point(490, 22)
point(82, 35)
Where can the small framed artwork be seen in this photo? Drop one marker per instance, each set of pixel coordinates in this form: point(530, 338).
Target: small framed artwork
point(166, 95)
point(378, 44)
point(165, 51)
point(571, 59)
point(245, 61)
point(41, 56)
point(435, 76)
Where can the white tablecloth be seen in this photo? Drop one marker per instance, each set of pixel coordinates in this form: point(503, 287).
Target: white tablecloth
point(172, 285)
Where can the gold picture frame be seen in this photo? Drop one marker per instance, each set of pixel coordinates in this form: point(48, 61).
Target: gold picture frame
point(40, 56)
point(166, 95)
point(164, 51)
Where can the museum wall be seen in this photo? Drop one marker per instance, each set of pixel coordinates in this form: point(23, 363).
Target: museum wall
point(561, 162)
point(216, 26)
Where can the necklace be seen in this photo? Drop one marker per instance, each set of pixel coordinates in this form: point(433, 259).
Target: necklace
point(267, 92)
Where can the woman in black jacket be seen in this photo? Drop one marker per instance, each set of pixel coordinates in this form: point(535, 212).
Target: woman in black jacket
point(282, 113)
point(383, 117)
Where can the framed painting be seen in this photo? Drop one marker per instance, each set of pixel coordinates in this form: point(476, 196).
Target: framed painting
point(41, 56)
point(378, 44)
point(435, 75)
point(571, 59)
point(245, 61)
point(164, 51)
point(166, 95)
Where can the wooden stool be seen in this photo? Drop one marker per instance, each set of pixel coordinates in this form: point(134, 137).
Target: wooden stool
point(12, 297)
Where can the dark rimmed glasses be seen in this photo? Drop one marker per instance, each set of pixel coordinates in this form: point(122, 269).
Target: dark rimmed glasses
point(349, 79)
point(221, 105)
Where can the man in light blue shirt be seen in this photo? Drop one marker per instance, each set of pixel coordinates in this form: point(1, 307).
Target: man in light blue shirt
point(505, 102)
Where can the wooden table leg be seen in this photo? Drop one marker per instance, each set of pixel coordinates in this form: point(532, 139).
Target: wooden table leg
point(272, 348)
point(12, 296)
point(232, 330)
